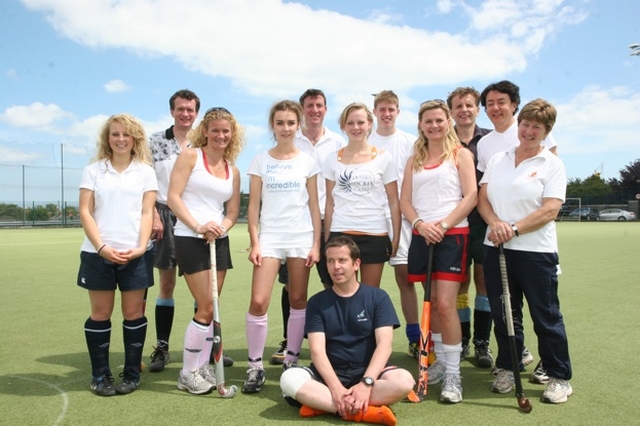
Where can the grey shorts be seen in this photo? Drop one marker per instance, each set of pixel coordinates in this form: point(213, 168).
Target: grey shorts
point(165, 257)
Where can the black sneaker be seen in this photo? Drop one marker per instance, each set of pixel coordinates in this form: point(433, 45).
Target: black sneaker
point(159, 358)
point(278, 356)
point(227, 361)
point(103, 385)
point(129, 383)
point(465, 351)
point(483, 356)
point(255, 380)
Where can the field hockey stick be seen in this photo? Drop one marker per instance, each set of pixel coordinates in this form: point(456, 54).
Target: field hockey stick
point(425, 335)
point(523, 403)
point(224, 392)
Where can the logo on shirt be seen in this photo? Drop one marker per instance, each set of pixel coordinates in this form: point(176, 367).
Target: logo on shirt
point(361, 317)
point(359, 182)
point(533, 175)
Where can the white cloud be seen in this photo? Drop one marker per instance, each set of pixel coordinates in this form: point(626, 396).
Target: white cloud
point(18, 156)
point(281, 47)
point(37, 116)
point(13, 75)
point(444, 6)
point(598, 120)
point(116, 86)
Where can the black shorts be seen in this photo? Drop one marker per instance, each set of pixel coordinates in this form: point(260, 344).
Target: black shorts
point(165, 257)
point(97, 273)
point(349, 376)
point(477, 232)
point(449, 257)
point(193, 255)
point(373, 248)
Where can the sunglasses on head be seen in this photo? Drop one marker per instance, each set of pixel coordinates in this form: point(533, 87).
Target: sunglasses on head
point(215, 109)
point(439, 101)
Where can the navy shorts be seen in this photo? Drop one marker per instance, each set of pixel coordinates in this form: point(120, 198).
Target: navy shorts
point(373, 248)
point(165, 257)
point(97, 273)
point(449, 257)
point(193, 255)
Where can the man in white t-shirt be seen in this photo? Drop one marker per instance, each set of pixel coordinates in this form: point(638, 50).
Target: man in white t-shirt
point(316, 140)
point(398, 143)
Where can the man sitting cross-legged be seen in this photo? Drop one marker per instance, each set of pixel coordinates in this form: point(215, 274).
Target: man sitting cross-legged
point(350, 331)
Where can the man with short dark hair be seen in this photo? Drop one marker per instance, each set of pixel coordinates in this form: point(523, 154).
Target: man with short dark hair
point(165, 147)
point(350, 331)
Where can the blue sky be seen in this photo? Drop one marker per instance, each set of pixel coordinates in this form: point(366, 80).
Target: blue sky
point(67, 65)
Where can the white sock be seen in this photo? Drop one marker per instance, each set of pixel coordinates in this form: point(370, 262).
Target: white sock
point(452, 358)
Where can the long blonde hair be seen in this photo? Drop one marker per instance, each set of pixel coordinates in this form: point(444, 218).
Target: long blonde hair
point(198, 139)
point(133, 127)
point(421, 146)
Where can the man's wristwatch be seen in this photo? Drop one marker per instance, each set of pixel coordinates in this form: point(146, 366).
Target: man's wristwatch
point(367, 380)
point(514, 228)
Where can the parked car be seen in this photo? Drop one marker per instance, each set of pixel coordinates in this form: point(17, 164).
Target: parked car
point(564, 211)
point(585, 213)
point(617, 214)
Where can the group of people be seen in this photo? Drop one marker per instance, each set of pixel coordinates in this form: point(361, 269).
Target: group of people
point(348, 207)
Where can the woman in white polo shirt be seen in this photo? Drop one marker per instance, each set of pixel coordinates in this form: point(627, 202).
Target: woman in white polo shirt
point(520, 195)
point(117, 198)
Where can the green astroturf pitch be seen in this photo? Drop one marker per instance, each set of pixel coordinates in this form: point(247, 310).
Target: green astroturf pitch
point(45, 369)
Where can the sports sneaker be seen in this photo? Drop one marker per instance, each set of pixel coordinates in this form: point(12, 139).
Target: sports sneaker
point(278, 356)
point(159, 358)
point(527, 358)
point(451, 389)
point(129, 383)
point(103, 385)
point(414, 350)
point(483, 356)
point(194, 383)
point(557, 391)
point(209, 375)
point(226, 360)
point(504, 382)
point(435, 373)
point(289, 364)
point(539, 375)
point(255, 380)
point(466, 350)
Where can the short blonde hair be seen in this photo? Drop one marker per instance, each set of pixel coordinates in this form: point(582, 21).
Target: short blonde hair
point(354, 106)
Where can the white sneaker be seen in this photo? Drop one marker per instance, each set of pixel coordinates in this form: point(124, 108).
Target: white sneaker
point(539, 375)
point(557, 391)
point(451, 389)
point(504, 382)
point(435, 373)
point(208, 374)
point(194, 383)
point(527, 358)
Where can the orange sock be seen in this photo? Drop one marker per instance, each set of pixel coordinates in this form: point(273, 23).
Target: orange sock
point(381, 415)
point(311, 412)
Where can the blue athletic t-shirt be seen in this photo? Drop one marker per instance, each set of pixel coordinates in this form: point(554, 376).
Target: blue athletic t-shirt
point(349, 323)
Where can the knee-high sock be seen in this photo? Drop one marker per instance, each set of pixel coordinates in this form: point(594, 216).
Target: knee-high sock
point(165, 309)
point(295, 333)
point(452, 358)
point(133, 335)
point(437, 345)
point(207, 348)
point(286, 310)
point(194, 341)
point(256, 338)
point(482, 319)
point(464, 312)
point(98, 337)
point(413, 332)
